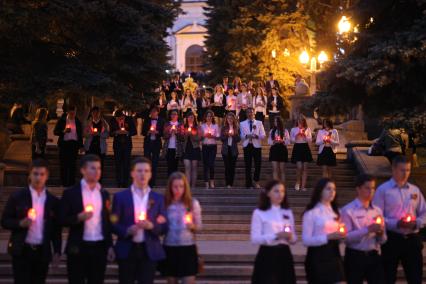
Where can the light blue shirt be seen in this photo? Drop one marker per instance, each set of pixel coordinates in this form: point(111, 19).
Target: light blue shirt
point(357, 218)
point(397, 202)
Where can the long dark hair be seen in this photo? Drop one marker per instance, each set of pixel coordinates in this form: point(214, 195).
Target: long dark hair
point(207, 113)
point(279, 127)
point(316, 195)
point(188, 114)
point(265, 202)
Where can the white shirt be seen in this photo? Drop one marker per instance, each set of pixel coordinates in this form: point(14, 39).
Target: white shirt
point(317, 224)
point(334, 139)
point(357, 218)
point(300, 139)
point(70, 123)
point(173, 104)
point(231, 128)
point(259, 100)
point(218, 99)
point(213, 129)
point(257, 129)
point(231, 102)
point(153, 124)
point(35, 231)
point(285, 137)
point(172, 139)
point(274, 108)
point(93, 226)
point(140, 204)
point(266, 224)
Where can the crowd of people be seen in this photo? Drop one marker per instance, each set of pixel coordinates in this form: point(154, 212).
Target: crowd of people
point(155, 232)
point(188, 125)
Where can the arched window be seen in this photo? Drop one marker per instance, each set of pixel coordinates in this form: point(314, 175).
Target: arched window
point(194, 59)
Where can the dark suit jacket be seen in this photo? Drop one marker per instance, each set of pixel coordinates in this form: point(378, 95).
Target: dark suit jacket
point(174, 86)
point(60, 127)
point(268, 86)
point(123, 209)
point(280, 103)
point(235, 140)
point(122, 140)
point(17, 208)
point(145, 128)
point(71, 206)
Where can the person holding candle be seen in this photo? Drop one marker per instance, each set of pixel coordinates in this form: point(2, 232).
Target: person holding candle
point(172, 149)
point(231, 102)
point(275, 104)
point(273, 228)
point(252, 134)
point(96, 134)
point(161, 104)
point(364, 223)
point(70, 141)
point(321, 233)
point(184, 219)
point(204, 102)
point(174, 103)
point(211, 133)
point(301, 136)
point(122, 128)
point(39, 134)
point(31, 216)
point(259, 103)
point(244, 101)
point(190, 137)
point(189, 103)
point(327, 140)
point(230, 138)
point(139, 222)
point(404, 210)
point(152, 130)
point(225, 84)
point(84, 209)
point(278, 139)
point(219, 103)
point(271, 84)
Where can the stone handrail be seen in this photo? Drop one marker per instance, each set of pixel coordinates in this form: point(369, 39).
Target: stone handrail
point(2, 170)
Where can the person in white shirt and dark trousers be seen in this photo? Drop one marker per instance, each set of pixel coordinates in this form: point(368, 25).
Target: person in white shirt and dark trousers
point(171, 150)
point(365, 227)
point(278, 138)
point(301, 136)
point(252, 134)
point(273, 228)
point(211, 133)
point(244, 101)
point(31, 216)
point(404, 210)
point(85, 209)
point(322, 230)
point(327, 140)
point(275, 105)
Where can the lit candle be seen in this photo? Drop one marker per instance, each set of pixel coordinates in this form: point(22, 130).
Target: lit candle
point(231, 131)
point(188, 218)
point(152, 128)
point(142, 216)
point(173, 127)
point(342, 228)
point(379, 220)
point(95, 130)
point(89, 208)
point(409, 218)
point(302, 131)
point(287, 228)
point(32, 214)
point(122, 128)
point(189, 129)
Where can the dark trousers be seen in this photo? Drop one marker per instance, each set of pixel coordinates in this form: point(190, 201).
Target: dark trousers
point(137, 267)
point(172, 161)
point(242, 115)
point(252, 153)
point(260, 116)
point(30, 267)
point(68, 152)
point(230, 163)
point(271, 118)
point(122, 155)
point(152, 150)
point(360, 266)
point(408, 250)
point(209, 157)
point(35, 155)
point(88, 265)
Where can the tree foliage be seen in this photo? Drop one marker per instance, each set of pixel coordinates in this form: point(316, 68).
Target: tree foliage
point(101, 48)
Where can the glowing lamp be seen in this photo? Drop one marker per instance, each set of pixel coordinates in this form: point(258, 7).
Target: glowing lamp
point(304, 57)
point(322, 57)
point(344, 25)
point(32, 214)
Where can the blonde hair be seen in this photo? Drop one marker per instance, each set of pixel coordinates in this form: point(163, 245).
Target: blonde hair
point(218, 86)
point(186, 197)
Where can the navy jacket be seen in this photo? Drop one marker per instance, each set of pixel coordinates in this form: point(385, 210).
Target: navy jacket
point(60, 127)
point(123, 212)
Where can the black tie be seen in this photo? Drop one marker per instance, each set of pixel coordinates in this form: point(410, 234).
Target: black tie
point(251, 125)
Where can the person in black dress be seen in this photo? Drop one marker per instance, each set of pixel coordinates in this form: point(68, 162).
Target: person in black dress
point(278, 138)
point(39, 134)
point(327, 140)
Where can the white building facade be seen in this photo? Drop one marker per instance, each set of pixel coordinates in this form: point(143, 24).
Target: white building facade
point(186, 38)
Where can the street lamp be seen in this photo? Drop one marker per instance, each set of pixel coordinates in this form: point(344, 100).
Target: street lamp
point(344, 25)
point(312, 68)
point(274, 53)
point(304, 57)
point(322, 57)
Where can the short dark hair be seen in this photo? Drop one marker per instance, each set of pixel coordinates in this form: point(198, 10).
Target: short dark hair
point(39, 163)
point(265, 202)
point(363, 178)
point(88, 159)
point(400, 159)
point(140, 160)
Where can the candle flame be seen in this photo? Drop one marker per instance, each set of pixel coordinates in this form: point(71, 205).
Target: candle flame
point(188, 218)
point(379, 220)
point(88, 208)
point(32, 214)
point(142, 216)
point(342, 228)
point(287, 229)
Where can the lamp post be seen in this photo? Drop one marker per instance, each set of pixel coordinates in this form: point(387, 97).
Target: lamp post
point(305, 59)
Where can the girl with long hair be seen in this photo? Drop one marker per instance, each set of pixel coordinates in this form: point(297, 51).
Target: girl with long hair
point(171, 149)
point(327, 140)
point(219, 103)
point(278, 139)
point(211, 133)
point(174, 103)
point(230, 136)
point(39, 134)
point(273, 228)
point(189, 103)
point(260, 101)
point(191, 136)
point(184, 220)
point(322, 230)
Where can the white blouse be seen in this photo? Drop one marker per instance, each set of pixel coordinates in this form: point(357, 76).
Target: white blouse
point(218, 99)
point(334, 139)
point(231, 102)
point(286, 137)
point(266, 224)
point(296, 130)
point(173, 104)
point(317, 224)
point(213, 129)
point(259, 100)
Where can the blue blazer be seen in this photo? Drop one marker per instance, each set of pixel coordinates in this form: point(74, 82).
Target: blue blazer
point(124, 217)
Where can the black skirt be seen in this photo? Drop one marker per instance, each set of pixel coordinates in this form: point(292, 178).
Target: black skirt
point(274, 265)
point(191, 153)
point(278, 153)
point(327, 157)
point(301, 153)
point(218, 111)
point(324, 264)
point(181, 261)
